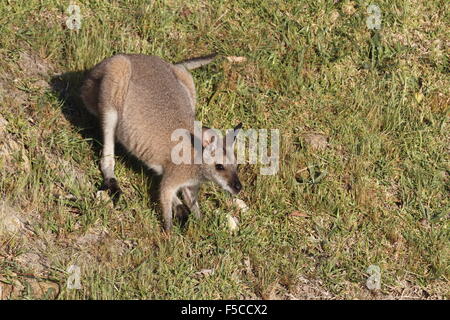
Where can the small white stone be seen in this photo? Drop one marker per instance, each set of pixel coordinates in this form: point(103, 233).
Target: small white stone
point(232, 223)
point(9, 220)
point(234, 59)
point(102, 195)
point(374, 280)
point(240, 204)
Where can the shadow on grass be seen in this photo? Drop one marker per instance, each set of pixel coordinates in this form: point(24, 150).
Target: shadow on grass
point(67, 88)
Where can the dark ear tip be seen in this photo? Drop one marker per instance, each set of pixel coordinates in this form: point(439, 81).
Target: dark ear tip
point(239, 126)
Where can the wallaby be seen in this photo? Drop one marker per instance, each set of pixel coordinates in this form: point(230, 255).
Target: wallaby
point(141, 100)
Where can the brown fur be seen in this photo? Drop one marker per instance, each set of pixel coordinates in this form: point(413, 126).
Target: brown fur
point(150, 98)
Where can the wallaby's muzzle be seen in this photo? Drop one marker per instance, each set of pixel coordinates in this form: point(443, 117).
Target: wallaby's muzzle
point(235, 185)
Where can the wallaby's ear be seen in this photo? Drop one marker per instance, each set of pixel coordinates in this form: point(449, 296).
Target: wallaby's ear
point(208, 136)
point(236, 130)
point(212, 142)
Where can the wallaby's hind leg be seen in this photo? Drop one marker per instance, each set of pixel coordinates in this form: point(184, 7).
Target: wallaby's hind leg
point(190, 195)
point(107, 162)
point(114, 77)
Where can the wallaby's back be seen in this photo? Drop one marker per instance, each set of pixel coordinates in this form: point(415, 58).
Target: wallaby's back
point(152, 99)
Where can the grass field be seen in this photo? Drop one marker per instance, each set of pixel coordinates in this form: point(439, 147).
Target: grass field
point(364, 159)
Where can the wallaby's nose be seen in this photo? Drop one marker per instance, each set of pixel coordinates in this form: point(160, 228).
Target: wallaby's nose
point(237, 186)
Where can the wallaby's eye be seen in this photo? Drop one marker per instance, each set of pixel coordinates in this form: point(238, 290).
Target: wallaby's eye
point(219, 167)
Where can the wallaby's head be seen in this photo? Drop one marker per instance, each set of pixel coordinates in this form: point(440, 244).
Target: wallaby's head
point(219, 162)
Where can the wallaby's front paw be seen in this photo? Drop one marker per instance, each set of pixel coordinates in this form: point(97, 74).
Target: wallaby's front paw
point(167, 227)
point(197, 213)
point(182, 214)
point(113, 188)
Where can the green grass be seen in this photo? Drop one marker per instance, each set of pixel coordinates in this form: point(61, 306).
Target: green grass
point(381, 100)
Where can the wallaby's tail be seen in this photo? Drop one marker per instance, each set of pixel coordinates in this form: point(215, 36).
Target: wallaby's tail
point(198, 62)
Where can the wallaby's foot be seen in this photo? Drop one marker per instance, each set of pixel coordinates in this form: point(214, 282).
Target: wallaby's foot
point(112, 186)
point(182, 214)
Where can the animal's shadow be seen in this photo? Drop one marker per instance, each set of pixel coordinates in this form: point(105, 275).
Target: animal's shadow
point(67, 88)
